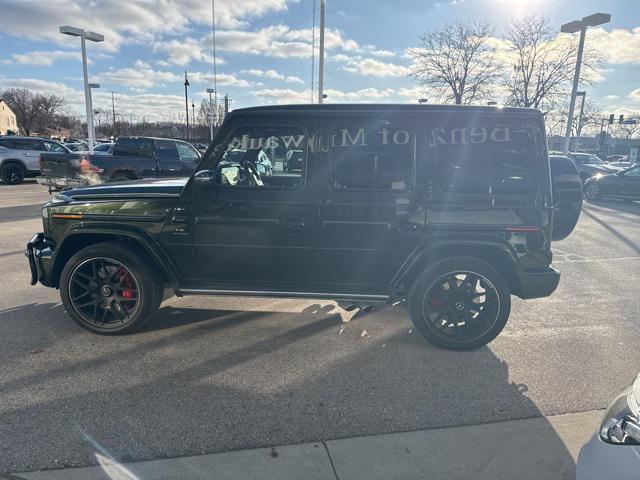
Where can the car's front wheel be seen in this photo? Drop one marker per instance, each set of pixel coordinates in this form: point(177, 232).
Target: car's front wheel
point(460, 303)
point(13, 173)
point(109, 289)
point(592, 192)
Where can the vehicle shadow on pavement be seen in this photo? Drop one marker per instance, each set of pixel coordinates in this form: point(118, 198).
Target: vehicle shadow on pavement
point(206, 381)
point(20, 212)
point(619, 205)
point(614, 231)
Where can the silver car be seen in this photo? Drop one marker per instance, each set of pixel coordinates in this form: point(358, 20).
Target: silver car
point(614, 451)
point(19, 157)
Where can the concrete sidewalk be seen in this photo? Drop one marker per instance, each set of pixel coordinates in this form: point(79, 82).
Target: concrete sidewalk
point(538, 448)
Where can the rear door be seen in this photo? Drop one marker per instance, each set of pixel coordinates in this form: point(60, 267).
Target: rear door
point(371, 208)
point(168, 158)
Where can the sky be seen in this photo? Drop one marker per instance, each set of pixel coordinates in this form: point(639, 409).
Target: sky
point(264, 49)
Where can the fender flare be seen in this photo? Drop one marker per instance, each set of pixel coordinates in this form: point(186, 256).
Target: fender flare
point(150, 245)
point(428, 246)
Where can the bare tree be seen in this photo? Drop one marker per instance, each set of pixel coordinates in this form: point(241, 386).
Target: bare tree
point(33, 111)
point(629, 130)
point(543, 65)
point(456, 62)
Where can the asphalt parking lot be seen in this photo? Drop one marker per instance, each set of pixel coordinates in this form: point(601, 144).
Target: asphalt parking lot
point(216, 374)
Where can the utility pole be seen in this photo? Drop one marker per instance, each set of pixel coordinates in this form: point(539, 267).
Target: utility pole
point(321, 53)
point(313, 49)
point(226, 104)
point(193, 118)
point(113, 111)
point(186, 101)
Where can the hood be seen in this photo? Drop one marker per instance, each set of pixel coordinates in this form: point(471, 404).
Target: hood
point(157, 187)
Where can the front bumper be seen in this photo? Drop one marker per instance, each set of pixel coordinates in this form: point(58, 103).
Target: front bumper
point(538, 284)
point(602, 461)
point(39, 253)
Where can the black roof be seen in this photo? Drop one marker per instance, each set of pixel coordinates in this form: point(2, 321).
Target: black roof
point(327, 108)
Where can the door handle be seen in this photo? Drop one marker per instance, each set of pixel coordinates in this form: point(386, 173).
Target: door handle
point(406, 226)
point(292, 223)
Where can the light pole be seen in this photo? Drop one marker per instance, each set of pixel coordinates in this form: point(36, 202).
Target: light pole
point(582, 94)
point(91, 87)
point(573, 27)
point(211, 110)
point(93, 37)
point(321, 96)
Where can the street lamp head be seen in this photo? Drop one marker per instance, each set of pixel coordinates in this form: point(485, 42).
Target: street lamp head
point(94, 85)
point(210, 90)
point(422, 100)
point(73, 31)
point(571, 27)
point(596, 19)
point(94, 37)
point(78, 32)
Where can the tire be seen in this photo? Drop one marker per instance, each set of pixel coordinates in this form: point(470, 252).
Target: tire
point(108, 288)
point(13, 173)
point(592, 192)
point(478, 297)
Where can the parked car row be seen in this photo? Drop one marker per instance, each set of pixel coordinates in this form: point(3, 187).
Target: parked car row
point(22, 157)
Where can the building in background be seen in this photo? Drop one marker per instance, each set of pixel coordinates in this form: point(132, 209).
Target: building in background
point(7, 119)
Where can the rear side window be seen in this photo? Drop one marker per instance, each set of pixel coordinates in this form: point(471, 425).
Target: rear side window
point(479, 159)
point(376, 158)
point(167, 150)
point(8, 144)
point(134, 147)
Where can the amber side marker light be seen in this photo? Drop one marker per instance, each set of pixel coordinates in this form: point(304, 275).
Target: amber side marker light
point(70, 216)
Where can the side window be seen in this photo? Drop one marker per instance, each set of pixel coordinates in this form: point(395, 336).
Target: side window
point(187, 153)
point(54, 147)
point(263, 157)
point(8, 143)
point(371, 158)
point(167, 151)
point(478, 159)
point(37, 145)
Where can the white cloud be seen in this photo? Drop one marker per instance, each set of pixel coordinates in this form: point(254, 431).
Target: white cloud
point(618, 46)
point(340, 57)
point(141, 75)
point(634, 95)
point(123, 21)
point(294, 79)
point(224, 79)
point(272, 74)
point(184, 50)
point(38, 57)
point(376, 68)
point(382, 53)
point(611, 97)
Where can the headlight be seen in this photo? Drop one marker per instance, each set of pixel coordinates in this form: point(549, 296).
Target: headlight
point(620, 424)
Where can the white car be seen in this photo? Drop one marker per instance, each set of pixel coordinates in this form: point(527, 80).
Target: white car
point(614, 451)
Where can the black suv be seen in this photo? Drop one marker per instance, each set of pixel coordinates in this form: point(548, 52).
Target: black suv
point(448, 208)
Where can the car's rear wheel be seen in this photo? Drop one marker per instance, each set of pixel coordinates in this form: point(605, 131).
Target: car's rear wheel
point(109, 289)
point(13, 173)
point(592, 192)
point(460, 303)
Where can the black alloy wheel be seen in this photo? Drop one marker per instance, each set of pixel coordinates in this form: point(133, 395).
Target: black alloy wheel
point(104, 292)
point(13, 173)
point(111, 288)
point(460, 303)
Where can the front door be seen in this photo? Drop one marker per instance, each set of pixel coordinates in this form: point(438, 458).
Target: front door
point(632, 182)
point(254, 226)
point(371, 210)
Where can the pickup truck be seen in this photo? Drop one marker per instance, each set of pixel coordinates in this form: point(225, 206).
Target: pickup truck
point(133, 158)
